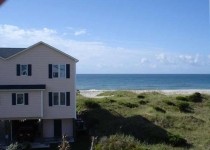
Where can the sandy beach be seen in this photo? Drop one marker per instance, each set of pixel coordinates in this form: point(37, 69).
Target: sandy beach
point(94, 93)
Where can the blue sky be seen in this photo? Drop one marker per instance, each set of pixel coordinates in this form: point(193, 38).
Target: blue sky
point(115, 36)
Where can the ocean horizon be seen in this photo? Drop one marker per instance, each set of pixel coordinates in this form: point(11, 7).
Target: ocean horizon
point(142, 81)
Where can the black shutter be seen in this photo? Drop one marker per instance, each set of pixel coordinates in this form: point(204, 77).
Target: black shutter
point(26, 98)
point(50, 70)
point(13, 98)
point(67, 70)
point(50, 98)
point(29, 70)
point(18, 69)
point(67, 98)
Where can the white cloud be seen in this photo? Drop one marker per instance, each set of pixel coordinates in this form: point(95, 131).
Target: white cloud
point(94, 56)
point(209, 56)
point(143, 60)
point(80, 32)
point(189, 59)
point(165, 59)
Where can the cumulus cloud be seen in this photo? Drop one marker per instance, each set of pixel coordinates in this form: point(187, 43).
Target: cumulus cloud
point(143, 60)
point(95, 56)
point(189, 59)
point(80, 32)
point(165, 59)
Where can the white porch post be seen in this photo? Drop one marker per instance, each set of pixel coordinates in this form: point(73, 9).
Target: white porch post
point(42, 111)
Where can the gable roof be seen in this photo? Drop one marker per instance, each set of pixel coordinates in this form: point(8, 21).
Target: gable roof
point(7, 53)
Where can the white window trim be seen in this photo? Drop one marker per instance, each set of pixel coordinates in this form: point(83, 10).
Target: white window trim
point(21, 69)
point(59, 65)
point(59, 98)
point(23, 98)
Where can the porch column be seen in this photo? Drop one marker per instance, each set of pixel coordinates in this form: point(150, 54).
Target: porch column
point(42, 111)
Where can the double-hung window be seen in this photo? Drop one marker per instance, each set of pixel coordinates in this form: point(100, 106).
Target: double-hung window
point(24, 69)
point(19, 98)
point(59, 70)
point(56, 98)
point(59, 98)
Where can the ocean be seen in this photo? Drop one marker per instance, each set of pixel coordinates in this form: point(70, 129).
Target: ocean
point(142, 81)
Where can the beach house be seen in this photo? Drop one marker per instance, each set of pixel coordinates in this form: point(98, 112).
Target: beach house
point(37, 93)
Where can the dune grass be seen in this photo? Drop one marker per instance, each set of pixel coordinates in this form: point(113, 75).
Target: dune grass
point(154, 120)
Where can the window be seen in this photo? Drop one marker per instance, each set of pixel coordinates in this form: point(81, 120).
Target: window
point(59, 71)
point(55, 71)
point(55, 99)
point(19, 98)
point(62, 71)
point(59, 98)
point(62, 98)
point(24, 70)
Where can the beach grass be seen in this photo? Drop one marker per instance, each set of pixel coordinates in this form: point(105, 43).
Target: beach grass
point(154, 120)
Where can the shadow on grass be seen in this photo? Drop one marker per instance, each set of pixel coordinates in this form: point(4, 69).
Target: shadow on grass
point(102, 122)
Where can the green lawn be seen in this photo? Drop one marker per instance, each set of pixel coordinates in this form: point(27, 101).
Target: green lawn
point(154, 120)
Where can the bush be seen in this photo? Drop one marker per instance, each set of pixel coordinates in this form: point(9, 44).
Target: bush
point(159, 109)
point(142, 102)
point(169, 103)
point(110, 100)
point(182, 98)
point(176, 140)
point(91, 104)
point(128, 104)
point(18, 146)
point(118, 142)
point(184, 107)
point(64, 144)
point(196, 97)
point(141, 96)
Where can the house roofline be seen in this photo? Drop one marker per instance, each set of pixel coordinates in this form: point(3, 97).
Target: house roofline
point(41, 42)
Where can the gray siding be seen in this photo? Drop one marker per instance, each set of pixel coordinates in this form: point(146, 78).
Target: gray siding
point(9, 111)
point(39, 56)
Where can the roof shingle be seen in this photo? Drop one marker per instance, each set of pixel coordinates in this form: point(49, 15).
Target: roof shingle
point(7, 52)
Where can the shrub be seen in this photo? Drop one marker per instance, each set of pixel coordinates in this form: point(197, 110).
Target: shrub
point(118, 142)
point(184, 107)
point(169, 103)
point(128, 104)
point(141, 96)
point(14, 146)
point(18, 146)
point(110, 100)
point(176, 140)
point(64, 144)
point(159, 109)
point(142, 102)
point(182, 98)
point(196, 97)
point(91, 104)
